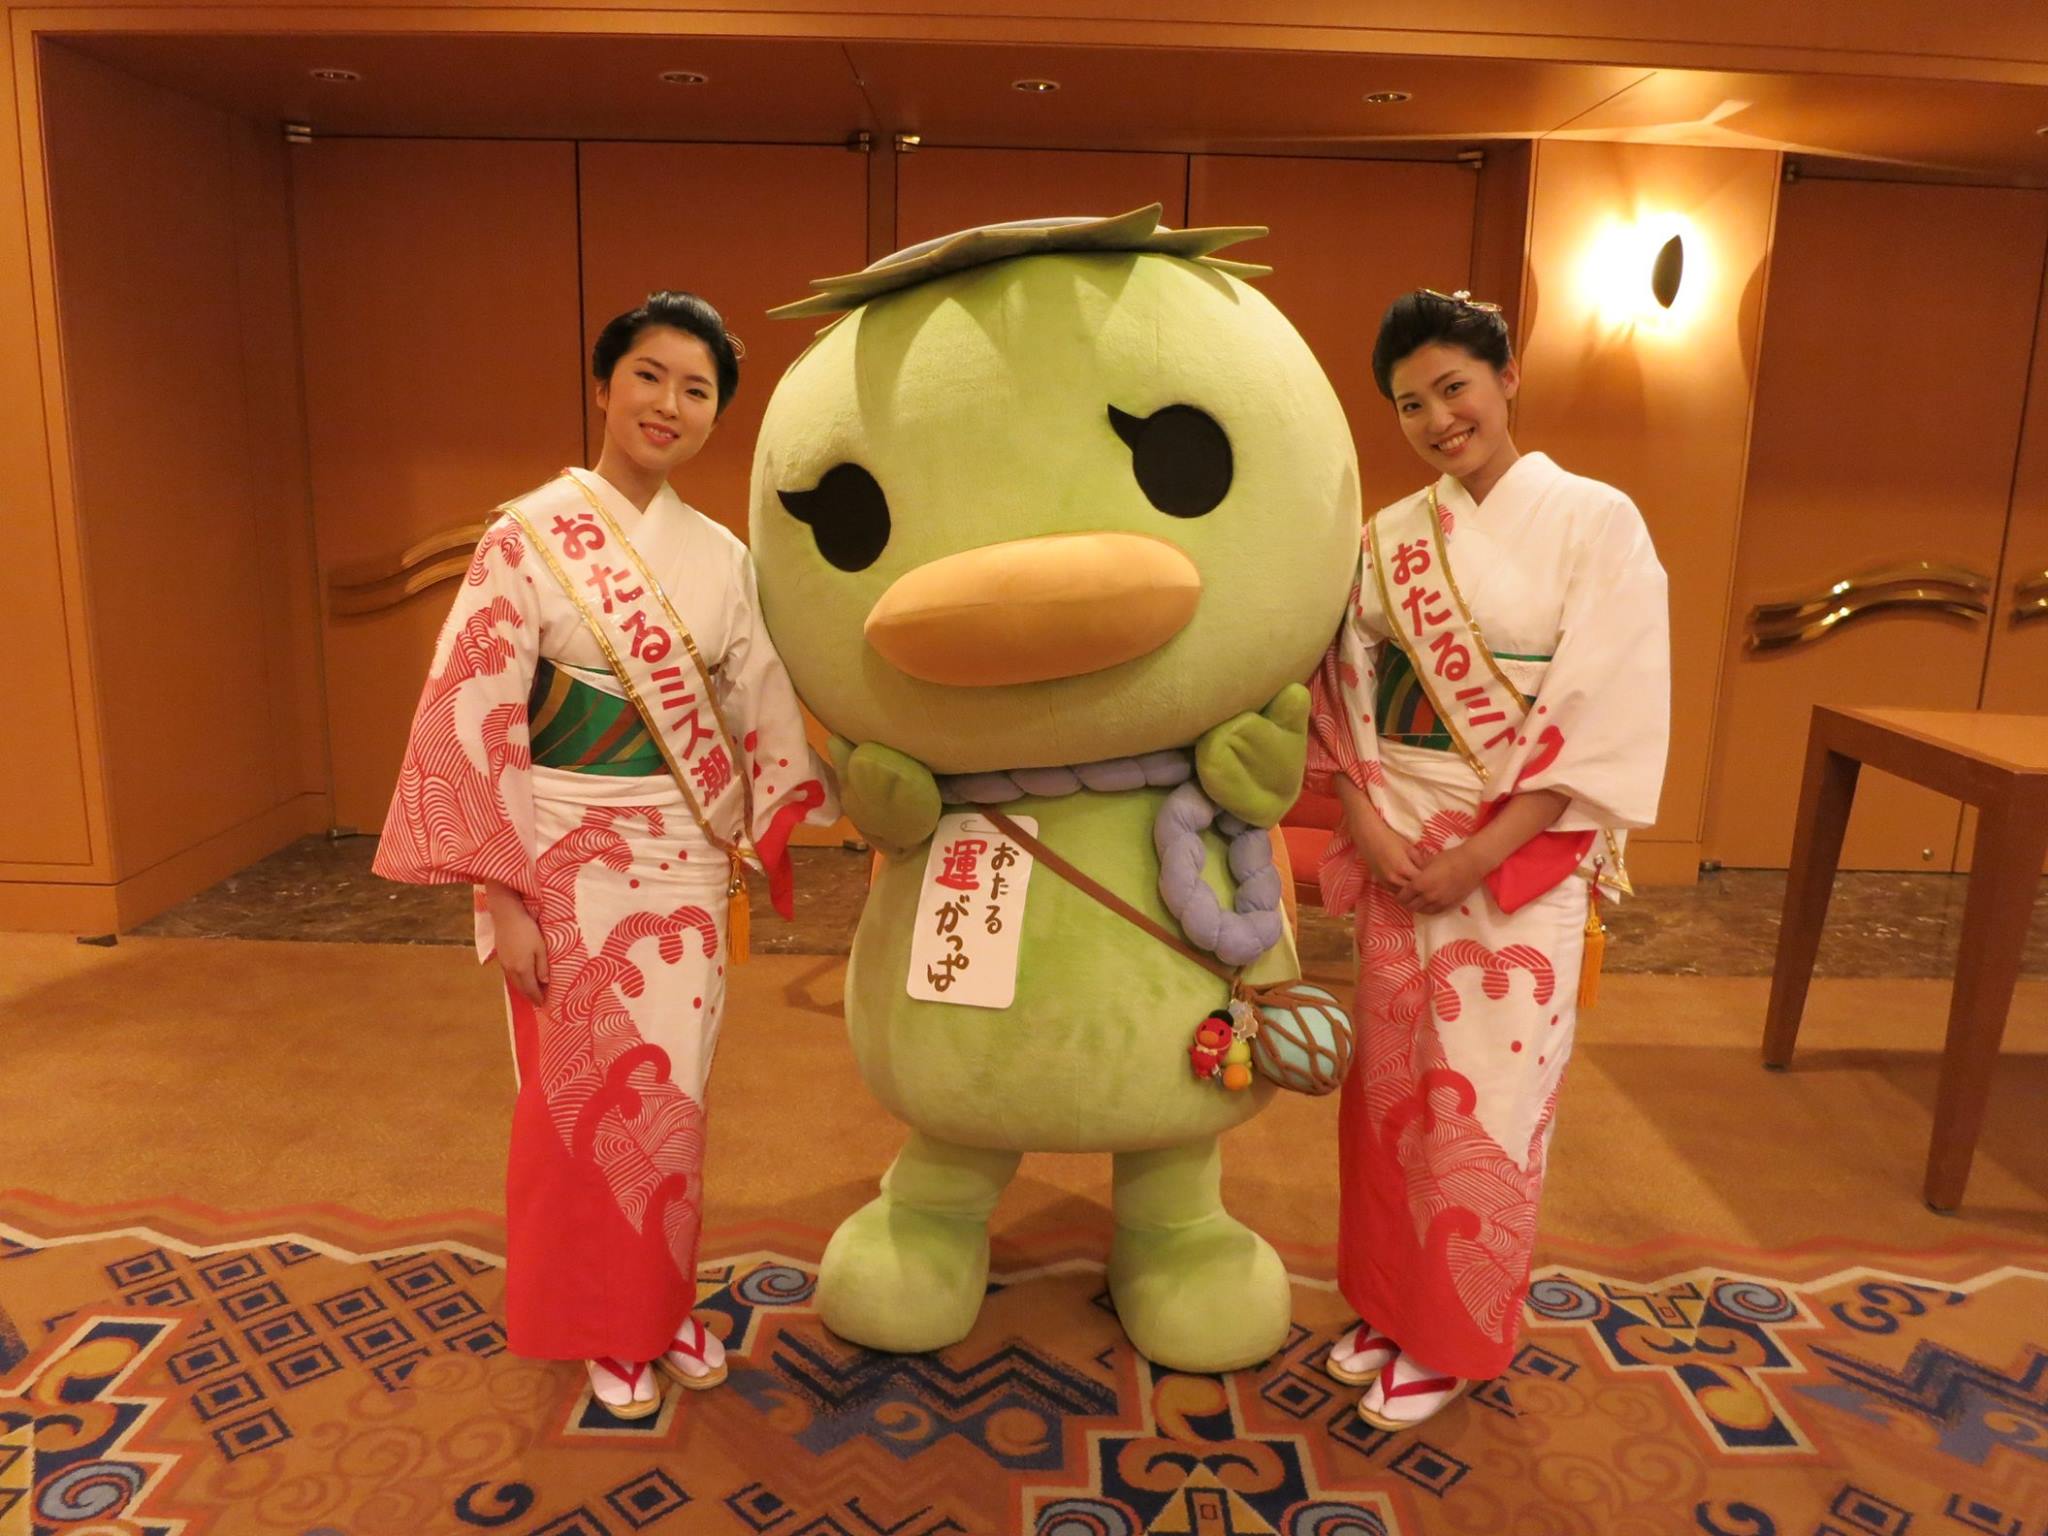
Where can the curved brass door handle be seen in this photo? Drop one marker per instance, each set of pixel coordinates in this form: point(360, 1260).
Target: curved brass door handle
point(1921, 584)
point(371, 586)
point(2030, 597)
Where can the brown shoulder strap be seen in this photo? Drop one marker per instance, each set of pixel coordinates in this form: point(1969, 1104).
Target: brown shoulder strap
point(1089, 886)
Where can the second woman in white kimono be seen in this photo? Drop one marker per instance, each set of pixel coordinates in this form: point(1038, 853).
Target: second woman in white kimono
point(1493, 716)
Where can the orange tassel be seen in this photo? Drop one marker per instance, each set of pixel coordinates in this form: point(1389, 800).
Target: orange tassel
point(739, 918)
point(1595, 954)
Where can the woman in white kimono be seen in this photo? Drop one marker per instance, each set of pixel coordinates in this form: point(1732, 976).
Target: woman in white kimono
point(605, 729)
point(1493, 717)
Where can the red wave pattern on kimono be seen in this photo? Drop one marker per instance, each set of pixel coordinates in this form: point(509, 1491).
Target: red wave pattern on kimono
point(448, 821)
point(603, 1225)
point(1439, 1229)
point(607, 1089)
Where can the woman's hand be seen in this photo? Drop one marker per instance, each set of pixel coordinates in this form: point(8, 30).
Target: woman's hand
point(1389, 857)
point(522, 952)
point(1384, 852)
point(1445, 879)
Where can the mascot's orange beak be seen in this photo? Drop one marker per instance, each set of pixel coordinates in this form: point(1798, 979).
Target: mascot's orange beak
point(1035, 609)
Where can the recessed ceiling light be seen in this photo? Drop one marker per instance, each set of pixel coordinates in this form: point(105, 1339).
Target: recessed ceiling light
point(684, 77)
point(1035, 87)
point(1386, 98)
point(335, 76)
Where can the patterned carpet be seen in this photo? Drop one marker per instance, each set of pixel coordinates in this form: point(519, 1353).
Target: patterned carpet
point(173, 1370)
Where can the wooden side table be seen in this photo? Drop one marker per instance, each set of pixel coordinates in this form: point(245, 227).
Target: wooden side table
point(1998, 763)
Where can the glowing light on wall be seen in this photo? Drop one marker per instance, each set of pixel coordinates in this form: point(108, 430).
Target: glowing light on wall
point(1649, 275)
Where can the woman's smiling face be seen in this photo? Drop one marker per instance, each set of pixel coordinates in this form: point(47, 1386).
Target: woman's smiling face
point(661, 400)
point(1453, 407)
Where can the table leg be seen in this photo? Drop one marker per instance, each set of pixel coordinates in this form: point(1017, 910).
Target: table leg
point(2005, 871)
point(1824, 799)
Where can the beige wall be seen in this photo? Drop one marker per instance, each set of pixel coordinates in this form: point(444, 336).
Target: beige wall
point(1348, 238)
point(1657, 404)
point(107, 510)
point(181, 469)
point(52, 825)
point(442, 330)
point(1889, 410)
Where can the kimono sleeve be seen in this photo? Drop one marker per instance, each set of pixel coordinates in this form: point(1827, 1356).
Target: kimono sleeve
point(1343, 743)
point(1601, 724)
point(791, 784)
point(463, 809)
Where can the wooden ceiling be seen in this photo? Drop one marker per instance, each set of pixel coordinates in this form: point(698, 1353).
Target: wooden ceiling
point(1221, 100)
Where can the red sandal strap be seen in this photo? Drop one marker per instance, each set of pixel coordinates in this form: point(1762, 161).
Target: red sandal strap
point(1391, 1389)
point(695, 1348)
point(1361, 1340)
point(629, 1374)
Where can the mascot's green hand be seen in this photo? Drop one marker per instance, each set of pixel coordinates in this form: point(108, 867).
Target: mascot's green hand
point(891, 798)
point(1252, 765)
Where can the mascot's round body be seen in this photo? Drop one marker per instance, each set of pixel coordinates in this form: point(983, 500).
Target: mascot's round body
point(1092, 1055)
point(1049, 496)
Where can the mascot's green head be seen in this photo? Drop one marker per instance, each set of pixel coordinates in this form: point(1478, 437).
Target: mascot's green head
point(1049, 493)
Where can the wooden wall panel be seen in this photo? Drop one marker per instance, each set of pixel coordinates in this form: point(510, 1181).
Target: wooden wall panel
point(267, 287)
point(441, 328)
point(1348, 238)
point(939, 191)
point(44, 818)
point(2016, 673)
point(2016, 679)
point(1887, 424)
point(1657, 404)
point(150, 285)
point(1500, 229)
point(784, 214)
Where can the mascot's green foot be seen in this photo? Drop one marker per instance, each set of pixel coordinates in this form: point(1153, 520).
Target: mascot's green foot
point(1195, 1288)
point(907, 1271)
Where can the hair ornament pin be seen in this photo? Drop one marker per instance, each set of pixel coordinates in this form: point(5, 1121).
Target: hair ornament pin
point(739, 348)
point(1464, 298)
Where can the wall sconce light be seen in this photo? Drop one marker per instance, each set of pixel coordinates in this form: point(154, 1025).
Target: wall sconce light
point(1645, 274)
point(1668, 271)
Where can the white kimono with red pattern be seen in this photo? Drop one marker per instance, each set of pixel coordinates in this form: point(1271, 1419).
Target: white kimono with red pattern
point(1466, 1017)
point(604, 1191)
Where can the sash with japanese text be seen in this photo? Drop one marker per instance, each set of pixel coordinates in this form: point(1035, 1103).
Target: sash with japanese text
point(654, 657)
point(1479, 707)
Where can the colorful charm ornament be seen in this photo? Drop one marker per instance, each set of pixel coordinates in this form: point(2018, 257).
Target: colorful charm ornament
point(1222, 1050)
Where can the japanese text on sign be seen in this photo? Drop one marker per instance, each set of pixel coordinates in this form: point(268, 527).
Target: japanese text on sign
point(970, 914)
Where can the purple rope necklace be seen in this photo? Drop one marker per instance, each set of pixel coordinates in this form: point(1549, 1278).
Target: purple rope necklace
point(1237, 937)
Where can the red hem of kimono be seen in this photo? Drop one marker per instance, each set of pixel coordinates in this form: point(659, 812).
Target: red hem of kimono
point(1384, 1269)
point(579, 1281)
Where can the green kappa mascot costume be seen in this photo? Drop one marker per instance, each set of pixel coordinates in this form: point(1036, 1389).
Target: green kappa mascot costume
point(1050, 523)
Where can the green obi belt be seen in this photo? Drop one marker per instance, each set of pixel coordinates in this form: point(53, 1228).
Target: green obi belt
point(583, 729)
point(1401, 708)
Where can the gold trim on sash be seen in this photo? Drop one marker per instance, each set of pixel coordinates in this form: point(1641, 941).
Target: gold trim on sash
point(1379, 576)
point(689, 644)
point(1436, 523)
point(1418, 661)
point(737, 852)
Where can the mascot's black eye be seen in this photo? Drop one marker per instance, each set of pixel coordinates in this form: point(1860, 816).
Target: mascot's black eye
point(1180, 456)
point(848, 516)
